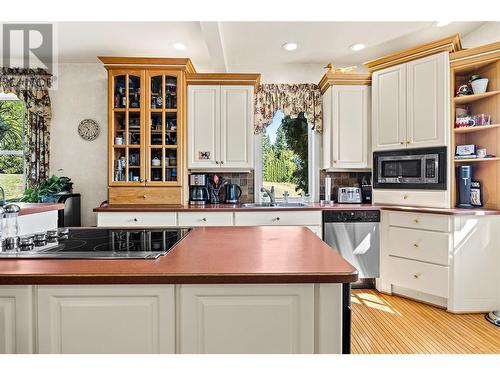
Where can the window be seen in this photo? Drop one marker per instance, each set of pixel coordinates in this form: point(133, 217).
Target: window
point(285, 156)
point(12, 161)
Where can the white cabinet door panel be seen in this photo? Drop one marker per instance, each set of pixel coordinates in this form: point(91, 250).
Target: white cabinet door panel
point(427, 101)
point(136, 219)
point(246, 318)
point(349, 137)
point(205, 219)
point(203, 126)
point(237, 127)
point(106, 319)
point(16, 319)
point(389, 108)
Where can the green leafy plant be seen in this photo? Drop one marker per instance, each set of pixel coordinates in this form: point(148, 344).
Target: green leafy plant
point(50, 186)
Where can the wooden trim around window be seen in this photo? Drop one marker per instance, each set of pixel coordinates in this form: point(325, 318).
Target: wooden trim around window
point(449, 44)
point(223, 79)
point(339, 78)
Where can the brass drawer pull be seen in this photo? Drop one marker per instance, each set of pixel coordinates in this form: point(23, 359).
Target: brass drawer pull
point(415, 245)
point(416, 221)
point(417, 275)
point(405, 196)
point(144, 196)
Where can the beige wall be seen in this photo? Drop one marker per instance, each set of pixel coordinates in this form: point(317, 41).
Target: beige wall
point(486, 34)
point(81, 93)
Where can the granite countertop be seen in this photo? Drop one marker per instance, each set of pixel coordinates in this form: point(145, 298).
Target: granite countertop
point(212, 255)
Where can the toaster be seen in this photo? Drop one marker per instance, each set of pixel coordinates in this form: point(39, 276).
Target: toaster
point(349, 195)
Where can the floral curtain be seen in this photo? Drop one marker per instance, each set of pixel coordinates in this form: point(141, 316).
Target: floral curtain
point(32, 87)
point(292, 100)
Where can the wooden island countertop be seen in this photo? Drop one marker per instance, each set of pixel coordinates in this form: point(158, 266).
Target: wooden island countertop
point(210, 255)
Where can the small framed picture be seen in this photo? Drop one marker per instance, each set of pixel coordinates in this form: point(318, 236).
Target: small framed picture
point(463, 150)
point(476, 194)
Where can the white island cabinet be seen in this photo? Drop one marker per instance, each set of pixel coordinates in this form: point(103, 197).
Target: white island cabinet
point(185, 318)
point(97, 319)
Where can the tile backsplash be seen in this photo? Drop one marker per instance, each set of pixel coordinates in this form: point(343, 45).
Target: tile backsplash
point(341, 179)
point(244, 180)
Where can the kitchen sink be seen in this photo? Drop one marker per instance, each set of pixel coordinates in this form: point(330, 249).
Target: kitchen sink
point(274, 205)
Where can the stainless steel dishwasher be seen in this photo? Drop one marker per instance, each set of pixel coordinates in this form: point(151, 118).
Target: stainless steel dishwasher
point(356, 235)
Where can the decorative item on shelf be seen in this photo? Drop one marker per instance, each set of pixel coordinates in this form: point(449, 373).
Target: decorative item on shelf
point(482, 119)
point(476, 194)
point(465, 152)
point(464, 122)
point(119, 141)
point(347, 69)
point(481, 152)
point(463, 90)
point(461, 112)
point(88, 129)
point(134, 139)
point(155, 162)
point(478, 84)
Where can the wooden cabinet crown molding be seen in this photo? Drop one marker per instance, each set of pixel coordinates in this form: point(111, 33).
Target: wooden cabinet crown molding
point(117, 62)
point(339, 78)
point(252, 79)
point(449, 44)
point(479, 56)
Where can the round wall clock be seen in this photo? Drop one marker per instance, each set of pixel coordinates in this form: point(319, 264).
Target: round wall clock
point(88, 129)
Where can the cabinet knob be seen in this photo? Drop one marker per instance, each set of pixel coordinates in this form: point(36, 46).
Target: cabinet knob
point(141, 180)
point(415, 245)
point(135, 219)
point(144, 196)
point(417, 275)
point(416, 221)
point(216, 162)
point(405, 196)
point(277, 219)
point(402, 142)
point(335, 161)
point(221, 162)
point(408, 142)
point(204, 219)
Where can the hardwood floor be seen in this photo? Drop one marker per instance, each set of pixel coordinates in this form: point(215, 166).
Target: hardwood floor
point(385, 324)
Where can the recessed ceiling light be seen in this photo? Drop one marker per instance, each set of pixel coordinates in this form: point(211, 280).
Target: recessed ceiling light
point(357, 47)
point(442, 23)
point(179, 46)
point(290, 46)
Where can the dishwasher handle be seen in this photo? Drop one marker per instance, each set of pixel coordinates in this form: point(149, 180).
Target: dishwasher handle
point(351, 216)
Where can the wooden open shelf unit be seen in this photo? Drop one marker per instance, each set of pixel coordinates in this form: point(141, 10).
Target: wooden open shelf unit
point(484, 60)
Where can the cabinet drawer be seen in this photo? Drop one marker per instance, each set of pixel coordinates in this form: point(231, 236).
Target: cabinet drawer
point(145, 195)
point(136, 219)
point(419, 244)
point(440, 223)
point(205, 219)
point(417, 198)
point(302, 218)
point(423, 277)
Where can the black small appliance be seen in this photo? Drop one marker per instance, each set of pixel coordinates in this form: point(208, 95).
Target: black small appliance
point(464, 183)
point(198, 190)
point(232, 193)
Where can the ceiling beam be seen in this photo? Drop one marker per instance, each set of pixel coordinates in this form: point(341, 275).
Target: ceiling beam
point(214, 39)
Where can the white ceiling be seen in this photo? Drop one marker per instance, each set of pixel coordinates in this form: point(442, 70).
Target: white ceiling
point(226, 46)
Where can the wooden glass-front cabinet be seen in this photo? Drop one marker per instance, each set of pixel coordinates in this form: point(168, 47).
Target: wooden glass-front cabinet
point(146, 129)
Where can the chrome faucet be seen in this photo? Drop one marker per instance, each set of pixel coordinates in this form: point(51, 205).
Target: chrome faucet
point(270, 193)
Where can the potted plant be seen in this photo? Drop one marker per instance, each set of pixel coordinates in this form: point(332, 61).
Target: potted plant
point(45, 190)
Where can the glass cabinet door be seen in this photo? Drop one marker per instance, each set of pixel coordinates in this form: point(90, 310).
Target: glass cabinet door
point(127, 143)
point(161, 129)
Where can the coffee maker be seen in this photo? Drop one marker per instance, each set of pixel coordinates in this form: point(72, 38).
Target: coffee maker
point(198, 190)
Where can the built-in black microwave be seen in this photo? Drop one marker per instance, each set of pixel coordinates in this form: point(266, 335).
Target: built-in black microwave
point(419, 168)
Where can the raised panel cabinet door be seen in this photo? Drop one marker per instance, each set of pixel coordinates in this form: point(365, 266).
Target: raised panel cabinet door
point(16, 319)
point(428, 101)
point(203, 127)
point(106, 319)
point(389, 108)
point(247, 318)
point(237, 127)
point(349, 136)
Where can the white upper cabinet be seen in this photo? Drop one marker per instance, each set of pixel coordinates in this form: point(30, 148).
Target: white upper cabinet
point(389, 108)
point(220, 127)
point(236, 127)
point(410, 104)
point(346, 130)
point(427, 101)
point(203, 126)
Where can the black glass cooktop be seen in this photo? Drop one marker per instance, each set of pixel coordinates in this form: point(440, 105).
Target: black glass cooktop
point(101, 243)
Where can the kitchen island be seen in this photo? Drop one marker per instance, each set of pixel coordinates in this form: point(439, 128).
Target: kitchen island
point(244, 290)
